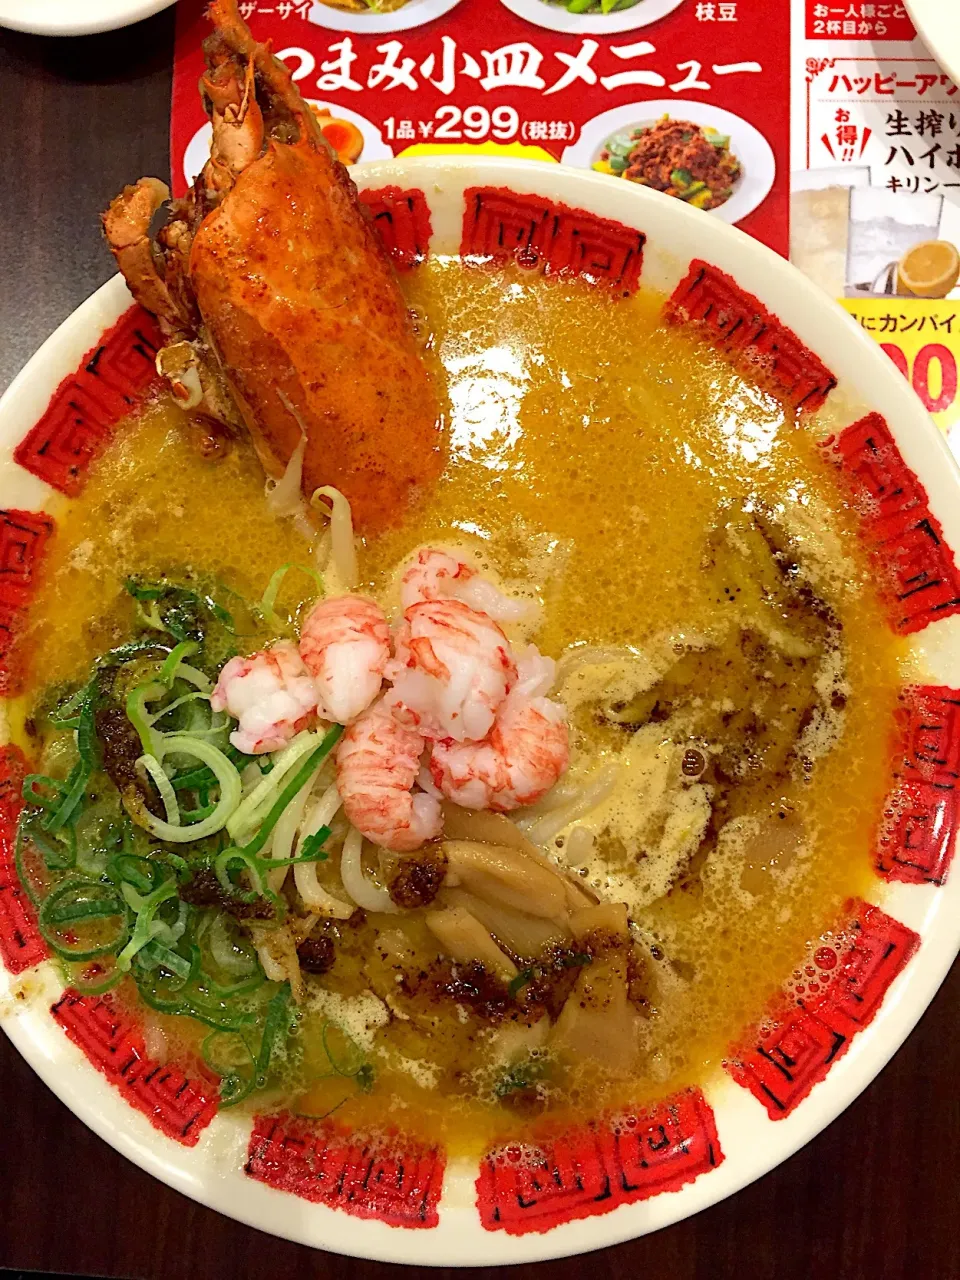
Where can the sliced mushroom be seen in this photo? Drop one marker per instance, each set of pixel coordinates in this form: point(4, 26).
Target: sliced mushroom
point(480, 827)
point(464, 938)
point(606, 917)
point(598, 1021)
point(486, 827)
point(513, 1040)
point(522, 934)
point(506, 877)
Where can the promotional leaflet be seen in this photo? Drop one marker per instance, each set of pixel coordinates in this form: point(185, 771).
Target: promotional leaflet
point(827, 131)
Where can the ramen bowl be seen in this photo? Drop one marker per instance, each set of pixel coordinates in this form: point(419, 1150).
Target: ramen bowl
point(593, 1183)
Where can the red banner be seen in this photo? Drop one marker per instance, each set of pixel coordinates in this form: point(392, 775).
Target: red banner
point(858, 20)
point(528, 77)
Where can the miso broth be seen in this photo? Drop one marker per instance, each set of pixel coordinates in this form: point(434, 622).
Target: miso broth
point(724, 658)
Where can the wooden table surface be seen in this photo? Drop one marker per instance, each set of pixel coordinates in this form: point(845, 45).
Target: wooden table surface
point(873, 1198)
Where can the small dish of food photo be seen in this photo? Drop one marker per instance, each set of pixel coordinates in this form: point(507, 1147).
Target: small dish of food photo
point(700, 154)
point(592, 17)
point(352, 136)
point(375, 16)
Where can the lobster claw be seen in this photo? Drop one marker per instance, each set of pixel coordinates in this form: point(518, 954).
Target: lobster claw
point(280, 305)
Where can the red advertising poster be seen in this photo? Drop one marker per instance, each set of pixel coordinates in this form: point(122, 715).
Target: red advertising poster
point(636, 93)
point(826, 130)
point(858, 20)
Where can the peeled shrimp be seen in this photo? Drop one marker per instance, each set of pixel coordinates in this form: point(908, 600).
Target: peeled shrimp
point(452, 671)
point(345, 644)
point(535, 673)
point(527, 751)
point(377, 765)
point(435, 575)
point(271, 693)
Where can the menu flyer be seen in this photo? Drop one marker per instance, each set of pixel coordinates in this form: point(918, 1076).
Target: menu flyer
point(825, 130)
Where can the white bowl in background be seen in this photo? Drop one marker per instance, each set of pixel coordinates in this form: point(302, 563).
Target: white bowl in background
point(75, 17)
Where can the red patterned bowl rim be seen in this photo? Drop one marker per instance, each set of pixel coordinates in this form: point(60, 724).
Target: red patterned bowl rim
point(784, 1081)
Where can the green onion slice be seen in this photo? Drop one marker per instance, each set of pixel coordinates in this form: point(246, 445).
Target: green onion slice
point(136, 709)
point(185, 649)
point(78, 903)
point(59, 852)
point(234, 1087)
point(268, 602)
point(146, 909)
point(151, 765)
point(230, 791)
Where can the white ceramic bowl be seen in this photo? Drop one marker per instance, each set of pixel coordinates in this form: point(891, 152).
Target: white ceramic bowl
point(938, 24)
point(72, 18)
point(751, 1142)
point(415, 13)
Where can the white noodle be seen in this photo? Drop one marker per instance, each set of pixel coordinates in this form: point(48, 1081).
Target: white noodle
point(322, 813)
point(593, 655)
point(275, 971)
point(365, 895)
point(550, 825)
point(558, 797)
point(342, 564)
point(578, 846)
point(284, 833)
point(316, 897)
point(305, 873)
point(285, 496)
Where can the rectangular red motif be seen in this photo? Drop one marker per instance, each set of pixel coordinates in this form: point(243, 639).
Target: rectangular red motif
point(919, 831)
point(793, 1051)
point(125, 360)
point(534, 231)
point(595, 1169)
point(917, 568)
point(392, 1179)
point(11, 620)
point(88, 404)
point(402, 220)
point(742, 325)
point(21, 943)
point(23, 538)
point(178, 1107)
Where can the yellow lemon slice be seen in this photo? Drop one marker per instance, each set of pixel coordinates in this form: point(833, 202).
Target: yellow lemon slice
point(929, 270)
